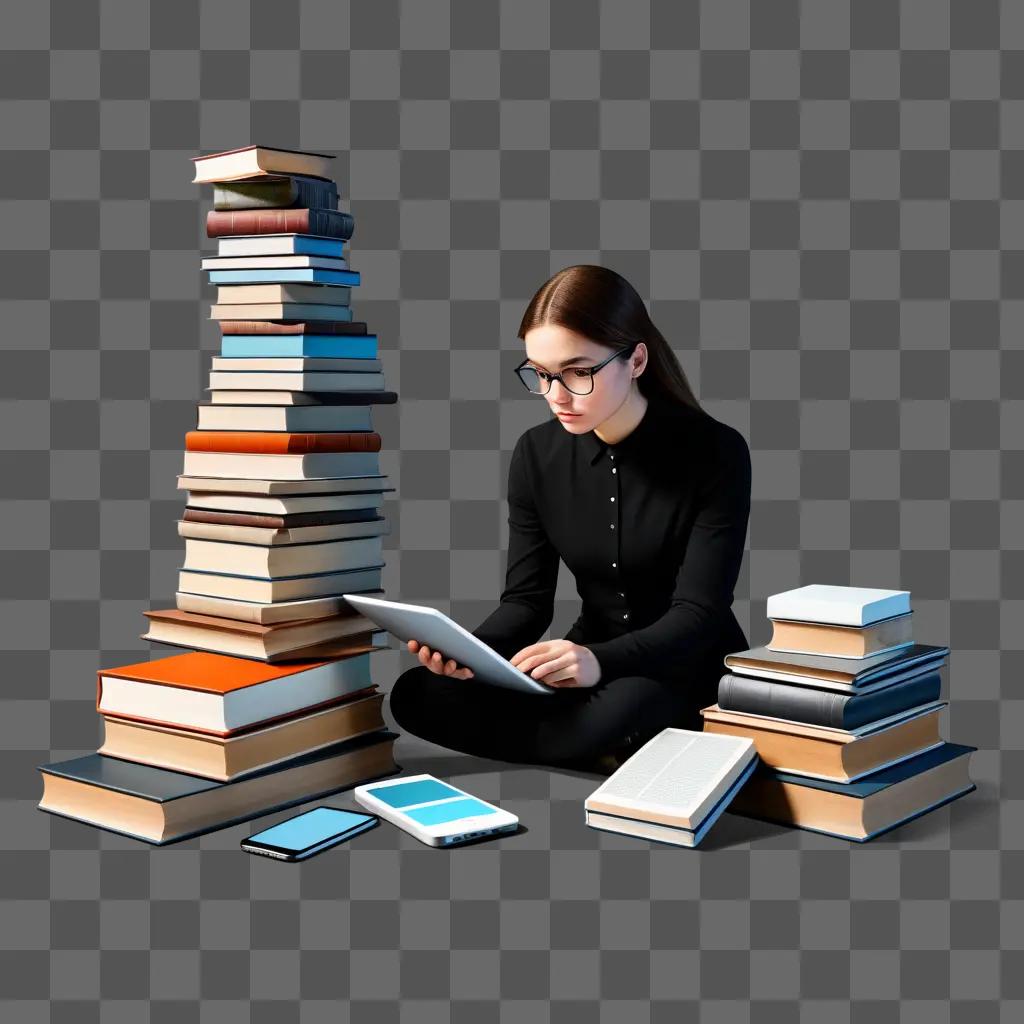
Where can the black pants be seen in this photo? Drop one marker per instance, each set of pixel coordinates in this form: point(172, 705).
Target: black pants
point(567, 727)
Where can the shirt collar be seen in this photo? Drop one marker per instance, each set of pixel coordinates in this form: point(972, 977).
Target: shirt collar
point(594, 448)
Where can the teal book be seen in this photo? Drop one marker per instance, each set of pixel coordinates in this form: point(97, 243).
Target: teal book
point(285, 275)
point(317, 346)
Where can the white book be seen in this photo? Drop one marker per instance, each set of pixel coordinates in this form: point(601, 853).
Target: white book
point(273, 262)
point(674, 787)
point(284, 504)
point(371, 483)
point(280, 467)
point(841, 606)
point(294, 418)
point(268, 380)
point(284, 243)
point(296, 364)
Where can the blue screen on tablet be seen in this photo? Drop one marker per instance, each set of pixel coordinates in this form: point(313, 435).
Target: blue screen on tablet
point(450, 810)
point(408, 793)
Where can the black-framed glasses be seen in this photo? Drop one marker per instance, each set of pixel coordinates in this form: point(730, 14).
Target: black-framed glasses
point(580, 378)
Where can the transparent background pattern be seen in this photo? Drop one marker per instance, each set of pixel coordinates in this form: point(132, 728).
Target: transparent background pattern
point(823, 204)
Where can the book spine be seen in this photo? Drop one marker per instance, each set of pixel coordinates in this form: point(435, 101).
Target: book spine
point(259, 195)
point(818, 707)
point(280, 327)
point(305, 221)
point(259, 443)
point(765, 697)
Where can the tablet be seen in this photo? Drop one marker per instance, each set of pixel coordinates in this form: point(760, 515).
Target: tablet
point(439, 633)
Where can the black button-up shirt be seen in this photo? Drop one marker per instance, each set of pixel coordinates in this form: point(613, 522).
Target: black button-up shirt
point(652, 528)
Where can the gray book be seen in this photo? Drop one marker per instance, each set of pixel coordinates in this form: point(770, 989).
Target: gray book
point(813, 706)
point(832, 673)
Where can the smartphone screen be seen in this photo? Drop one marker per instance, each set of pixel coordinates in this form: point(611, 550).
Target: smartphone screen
point(312, 830)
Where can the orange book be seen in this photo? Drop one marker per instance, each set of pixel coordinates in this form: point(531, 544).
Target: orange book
point(276, 443)
point(220, 694)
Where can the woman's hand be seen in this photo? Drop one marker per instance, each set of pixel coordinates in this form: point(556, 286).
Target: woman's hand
point(559, 663)
point(437, 664)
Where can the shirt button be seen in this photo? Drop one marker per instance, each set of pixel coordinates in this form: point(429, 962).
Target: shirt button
point(611, 499)
point(626, 616)
point(621, 594)
point(612, 525)
point(612, 457)
point(615, 565)
point(613, 469)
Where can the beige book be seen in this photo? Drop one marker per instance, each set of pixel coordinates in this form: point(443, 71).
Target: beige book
point(275, 563)
point(281, 467)
point(333, 294)
point(230, 757)
point(267, 591)
point(260, 162)
point(266, 614)
point(795, 637)
point(270, 537)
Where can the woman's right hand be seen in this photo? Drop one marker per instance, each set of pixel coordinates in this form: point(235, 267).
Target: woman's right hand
point(437, 664)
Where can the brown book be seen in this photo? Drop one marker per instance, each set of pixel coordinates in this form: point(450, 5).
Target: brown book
point(827, 753)
point(228, 757)
point(292, 327)
point(329, 223)
point(283, 522)
point(802, 637)
point(281, 443)
point(343, 635)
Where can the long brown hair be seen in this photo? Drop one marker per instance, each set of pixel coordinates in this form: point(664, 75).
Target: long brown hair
point(604, 307)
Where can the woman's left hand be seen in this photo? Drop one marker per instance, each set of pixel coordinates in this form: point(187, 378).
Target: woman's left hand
point(559, 663)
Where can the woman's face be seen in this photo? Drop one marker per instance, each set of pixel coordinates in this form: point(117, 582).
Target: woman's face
point(550, 347)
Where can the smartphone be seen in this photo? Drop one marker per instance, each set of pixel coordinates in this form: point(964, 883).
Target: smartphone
point(309, 833)
point(433, 811)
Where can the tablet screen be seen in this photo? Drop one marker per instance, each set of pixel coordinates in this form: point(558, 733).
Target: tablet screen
point(408, 793)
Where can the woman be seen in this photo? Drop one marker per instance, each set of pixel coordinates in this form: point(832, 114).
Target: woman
point(646, 498)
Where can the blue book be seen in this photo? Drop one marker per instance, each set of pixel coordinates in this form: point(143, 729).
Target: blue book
point(282, 275)
point(867, 807)
point(281, 245)
point(256, 346)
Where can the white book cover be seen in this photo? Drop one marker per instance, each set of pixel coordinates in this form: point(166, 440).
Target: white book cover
point(838, 605)
point(676, 778)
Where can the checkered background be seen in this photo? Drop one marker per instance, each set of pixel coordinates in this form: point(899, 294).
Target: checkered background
point(824, 205)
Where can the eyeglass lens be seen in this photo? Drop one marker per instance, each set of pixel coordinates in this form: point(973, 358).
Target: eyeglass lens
point(578, 380)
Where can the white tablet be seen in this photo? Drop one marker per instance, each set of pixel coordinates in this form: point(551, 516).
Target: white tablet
point(439, 633)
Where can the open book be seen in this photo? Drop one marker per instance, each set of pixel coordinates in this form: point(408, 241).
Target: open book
point(674, 787)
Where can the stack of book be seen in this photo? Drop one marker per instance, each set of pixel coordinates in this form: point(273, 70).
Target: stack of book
point(274, 704)
point(843, 707)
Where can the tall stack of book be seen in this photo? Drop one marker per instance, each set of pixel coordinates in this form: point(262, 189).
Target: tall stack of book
point(274, 704)
point(843, 707)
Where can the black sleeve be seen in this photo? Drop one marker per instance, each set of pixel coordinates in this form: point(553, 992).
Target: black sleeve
point(706, 577)
point(531, 575)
